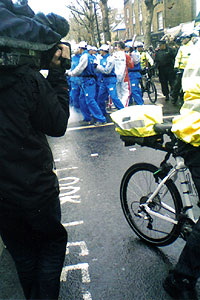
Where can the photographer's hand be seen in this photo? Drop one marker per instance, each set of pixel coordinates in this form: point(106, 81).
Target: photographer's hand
point(63, 52)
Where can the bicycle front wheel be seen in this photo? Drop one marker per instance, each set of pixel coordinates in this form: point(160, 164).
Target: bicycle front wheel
point(152, 92)
point(138, 184)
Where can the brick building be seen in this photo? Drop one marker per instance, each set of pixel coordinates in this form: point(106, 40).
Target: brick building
point(167, 14)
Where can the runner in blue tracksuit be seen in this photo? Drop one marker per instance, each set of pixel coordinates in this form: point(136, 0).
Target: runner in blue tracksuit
point(97, 57)
point(75, 82)
point(109, 80)
point(135, 76)
point(85, 71)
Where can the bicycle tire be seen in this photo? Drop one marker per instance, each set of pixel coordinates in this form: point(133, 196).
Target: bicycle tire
point(152, 92)
point(137, 184)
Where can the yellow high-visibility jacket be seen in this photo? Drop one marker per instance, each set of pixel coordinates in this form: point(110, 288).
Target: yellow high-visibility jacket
point(183, 54)
point(187, 126)
point(145, 58)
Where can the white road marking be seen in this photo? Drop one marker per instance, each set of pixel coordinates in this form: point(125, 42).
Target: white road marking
point(72, 189)
point(66, 169)
point(94, 154)
point(87, 295)
point(81, 244)
point(88, 126)
point(57, 159)
point(73, 180)
point(84, 271)
point(75, 223)
point(71, 199)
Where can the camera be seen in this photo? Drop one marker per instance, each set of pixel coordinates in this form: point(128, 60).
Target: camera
point(47, 56)
point(13, 57)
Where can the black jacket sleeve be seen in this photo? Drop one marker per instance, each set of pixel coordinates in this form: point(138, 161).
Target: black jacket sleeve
point(49, 106)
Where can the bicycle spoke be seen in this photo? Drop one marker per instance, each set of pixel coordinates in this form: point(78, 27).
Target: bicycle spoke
point(136, 190)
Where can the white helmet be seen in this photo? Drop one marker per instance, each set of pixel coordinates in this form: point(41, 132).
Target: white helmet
point(89, 47)
point(138, 44)
point(129, 44)
point(83, 45)
point(75, 48)
point(94, 48)
point(105, 48)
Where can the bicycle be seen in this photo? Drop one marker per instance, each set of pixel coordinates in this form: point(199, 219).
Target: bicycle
point(150, 199)
point(148, 86)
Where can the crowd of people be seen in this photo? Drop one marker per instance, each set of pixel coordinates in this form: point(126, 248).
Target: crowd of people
point(111, 75)
point(171, 60)
point(99, 77)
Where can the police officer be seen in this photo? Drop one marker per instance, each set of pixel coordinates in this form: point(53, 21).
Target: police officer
point(181, 59)
point(181, 281)
point(108, 81)
point(145, 58)
point(85, 70)
point(164, 60)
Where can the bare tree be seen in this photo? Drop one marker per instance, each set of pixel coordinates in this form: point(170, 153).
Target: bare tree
point(105, 19)
point(86, 13)
point(77, 32)
point(150, 5)
point(83, 14)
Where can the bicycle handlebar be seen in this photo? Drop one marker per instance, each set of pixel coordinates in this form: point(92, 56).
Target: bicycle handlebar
point(156, 141)
point(162, 128)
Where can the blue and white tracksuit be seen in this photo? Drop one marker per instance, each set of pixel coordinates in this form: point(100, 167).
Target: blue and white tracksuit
point(75, 83)
point(108, 83)
point(135, 77)
point(85, 71)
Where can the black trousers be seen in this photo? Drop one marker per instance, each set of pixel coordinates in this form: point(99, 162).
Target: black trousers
point(37, 243)
point(189, 261)
point(166, 78)
point(177, 85)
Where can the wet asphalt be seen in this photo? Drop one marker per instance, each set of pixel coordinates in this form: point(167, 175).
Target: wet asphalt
point(104, 259)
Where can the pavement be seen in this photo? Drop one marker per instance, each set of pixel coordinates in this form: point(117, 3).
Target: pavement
point(169, 109)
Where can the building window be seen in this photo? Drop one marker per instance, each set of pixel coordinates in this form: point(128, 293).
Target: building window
point(160, 20)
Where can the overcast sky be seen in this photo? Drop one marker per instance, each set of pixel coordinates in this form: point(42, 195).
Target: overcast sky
point(59, 6)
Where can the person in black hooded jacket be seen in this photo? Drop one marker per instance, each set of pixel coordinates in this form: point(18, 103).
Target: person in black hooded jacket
point(32, 107)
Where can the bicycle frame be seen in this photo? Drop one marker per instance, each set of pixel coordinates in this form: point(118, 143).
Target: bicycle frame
point(145, 78)
point(180, 169)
